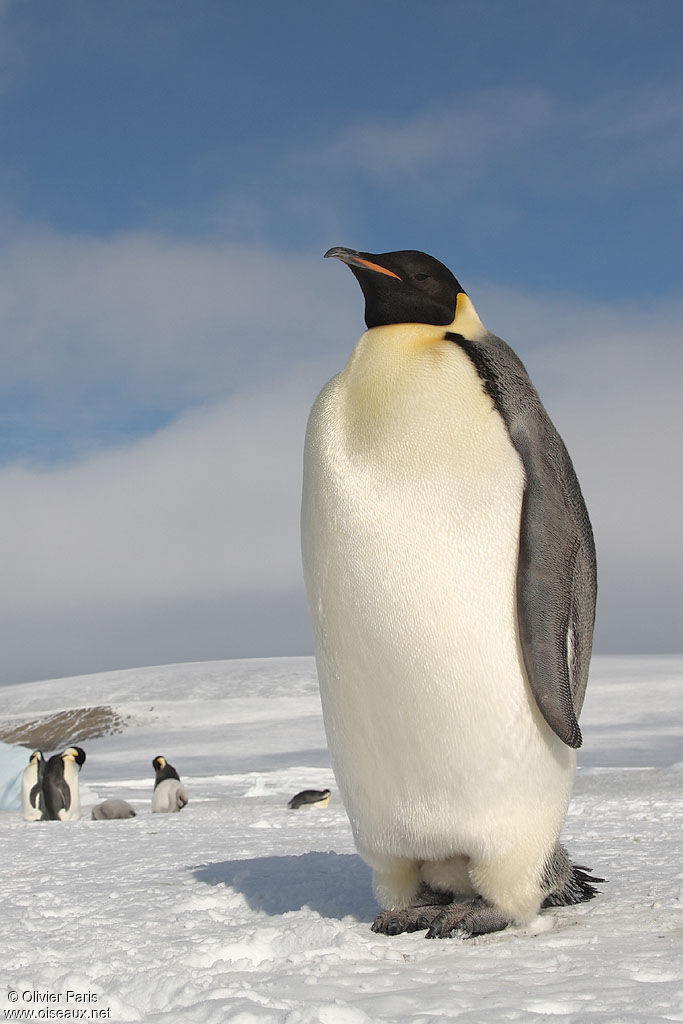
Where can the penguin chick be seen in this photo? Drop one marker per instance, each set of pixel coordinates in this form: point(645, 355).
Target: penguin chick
point(60, 785)
point(108, 810)
point(451, 578)
point(169, 793)
point(310, 798)
point(32, 787)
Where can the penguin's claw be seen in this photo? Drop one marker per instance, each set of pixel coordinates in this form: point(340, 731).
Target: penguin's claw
point(450, 921)
point(463, 920)
point(410, 919)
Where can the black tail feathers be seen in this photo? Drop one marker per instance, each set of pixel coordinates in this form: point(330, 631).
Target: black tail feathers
point(576, 887)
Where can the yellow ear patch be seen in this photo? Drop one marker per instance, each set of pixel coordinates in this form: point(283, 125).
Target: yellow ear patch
point(467, 322)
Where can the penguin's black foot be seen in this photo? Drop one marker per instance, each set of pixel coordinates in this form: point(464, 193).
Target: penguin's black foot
point(467, 919)
point(417, 917)
point(411, 919)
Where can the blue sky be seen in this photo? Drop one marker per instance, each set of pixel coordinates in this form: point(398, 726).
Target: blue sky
point(273, 123)
point(170, 175)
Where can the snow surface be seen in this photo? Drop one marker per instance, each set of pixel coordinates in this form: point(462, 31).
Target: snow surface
point(240, 910)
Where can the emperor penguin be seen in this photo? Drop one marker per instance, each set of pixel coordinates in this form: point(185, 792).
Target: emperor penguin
point(451, 578)
point(32, 802)
point(60, 785)
point(169, 793)
point(310, 798)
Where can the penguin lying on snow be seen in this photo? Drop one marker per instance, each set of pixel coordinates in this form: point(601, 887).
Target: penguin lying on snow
point(310, 798)
point(61, 792)
point(169, 792)
point(32, 787)
point(109, 810)
point(451, 576)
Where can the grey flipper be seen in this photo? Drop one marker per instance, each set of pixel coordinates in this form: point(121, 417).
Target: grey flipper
point(36, 794)
point(556, 567)
point(35, 797)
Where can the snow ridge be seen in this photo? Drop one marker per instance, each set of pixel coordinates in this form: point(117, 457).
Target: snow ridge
point(241, 910)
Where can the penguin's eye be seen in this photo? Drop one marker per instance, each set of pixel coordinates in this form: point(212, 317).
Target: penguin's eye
point(421, 277)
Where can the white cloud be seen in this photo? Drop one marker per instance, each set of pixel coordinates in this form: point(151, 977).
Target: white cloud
point(206, 505)
point(113, 547)
point(148, 323)
point(462, 131)
point(528, 137)
point(483, 158)
point(185, 544)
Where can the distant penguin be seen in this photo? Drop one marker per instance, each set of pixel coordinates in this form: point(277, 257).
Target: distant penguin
point(60, 785)
point(109, 810)
point(451, 577)
point(32, 802)
point(169, 793)
point(310, 798)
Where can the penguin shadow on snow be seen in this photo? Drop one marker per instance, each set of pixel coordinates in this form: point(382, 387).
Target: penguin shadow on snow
point(336, 885)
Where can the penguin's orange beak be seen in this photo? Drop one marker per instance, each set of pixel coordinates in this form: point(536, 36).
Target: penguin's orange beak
point(357, 259)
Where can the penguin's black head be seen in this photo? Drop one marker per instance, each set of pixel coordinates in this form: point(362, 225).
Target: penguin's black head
point(163, 770)
point(406, 287)
point(77, 753)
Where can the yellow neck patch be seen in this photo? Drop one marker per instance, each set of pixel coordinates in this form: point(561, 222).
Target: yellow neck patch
point(466, 321)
